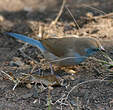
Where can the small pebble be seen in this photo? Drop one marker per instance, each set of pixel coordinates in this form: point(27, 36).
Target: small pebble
point(70, 71)
point(29, 86)
point(1, 18)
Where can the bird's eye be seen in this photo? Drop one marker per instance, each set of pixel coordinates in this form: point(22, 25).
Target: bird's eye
point(95, 49)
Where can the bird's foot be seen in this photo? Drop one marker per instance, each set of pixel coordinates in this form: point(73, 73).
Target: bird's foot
point(52, 72)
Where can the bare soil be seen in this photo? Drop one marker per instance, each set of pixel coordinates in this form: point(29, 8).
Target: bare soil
point(25, 17)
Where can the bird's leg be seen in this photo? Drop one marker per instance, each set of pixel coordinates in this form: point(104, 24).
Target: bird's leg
point(23, 48)
point(52, 72)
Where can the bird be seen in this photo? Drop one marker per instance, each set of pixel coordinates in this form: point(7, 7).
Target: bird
point(66, 51)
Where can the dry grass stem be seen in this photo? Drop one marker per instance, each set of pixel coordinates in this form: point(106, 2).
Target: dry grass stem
point(59, 14)
point(100, 11)
point(76, 24)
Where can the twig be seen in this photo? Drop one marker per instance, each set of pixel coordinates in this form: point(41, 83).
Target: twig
point(76, 24)
point(63, 100)
point(89, 81)
point(101, 16)
point(106, 56)
point(60, 100)
point(66, 58)
point(94, 9)
point(49, 99)
point(70, 105)
point(24, 55)
point(102, 61)
point(10, 77)
point(41, 32)
point(59, 14)
point(16, 81)
point(78, 106)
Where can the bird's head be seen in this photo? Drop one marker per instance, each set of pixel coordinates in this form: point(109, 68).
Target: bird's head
point(92, 45)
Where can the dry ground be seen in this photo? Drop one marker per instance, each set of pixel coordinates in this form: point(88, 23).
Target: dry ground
point(21, 16)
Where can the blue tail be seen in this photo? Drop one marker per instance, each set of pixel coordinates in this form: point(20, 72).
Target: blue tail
point(28, 40)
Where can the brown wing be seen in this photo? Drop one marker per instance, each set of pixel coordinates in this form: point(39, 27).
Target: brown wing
point(59, 46)
point(66, 46)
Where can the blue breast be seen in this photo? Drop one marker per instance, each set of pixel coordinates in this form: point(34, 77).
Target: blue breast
point(90, 51)
point(78, 58)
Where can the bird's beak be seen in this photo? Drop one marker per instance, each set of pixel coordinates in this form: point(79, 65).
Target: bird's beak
point(102, 49)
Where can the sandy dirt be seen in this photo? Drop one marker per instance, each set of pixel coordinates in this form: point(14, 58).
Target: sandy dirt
point(92, 83)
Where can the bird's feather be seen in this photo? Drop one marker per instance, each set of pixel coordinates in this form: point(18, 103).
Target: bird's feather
point(63, 46)
point(28, 40)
